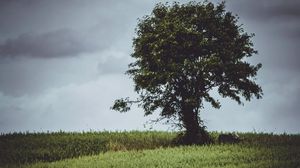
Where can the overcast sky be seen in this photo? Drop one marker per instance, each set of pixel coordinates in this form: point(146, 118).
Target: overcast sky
point(62, 65)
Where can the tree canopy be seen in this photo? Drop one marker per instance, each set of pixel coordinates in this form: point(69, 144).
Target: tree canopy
point(182, 52)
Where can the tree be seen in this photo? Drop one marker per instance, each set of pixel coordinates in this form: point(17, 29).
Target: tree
point(182, 52)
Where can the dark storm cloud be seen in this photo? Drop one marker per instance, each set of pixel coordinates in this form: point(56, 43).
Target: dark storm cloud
point(34, 90)
point(33, 31)
point(276, 24)
point(266, 10)
point(278, 17)
point(63, 28)
point(59, 43)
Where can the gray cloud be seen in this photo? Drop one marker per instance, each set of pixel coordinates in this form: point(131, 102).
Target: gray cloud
point(34, 76)
point(62, 30)
point(114, 62)
point(59, 43)
point(73, 107)
point(276, 17)
point(89, 45)
point(265, 10)
point(46, 29)
point(276, 24)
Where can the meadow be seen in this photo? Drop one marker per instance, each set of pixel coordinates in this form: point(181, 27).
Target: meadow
point(144, 149)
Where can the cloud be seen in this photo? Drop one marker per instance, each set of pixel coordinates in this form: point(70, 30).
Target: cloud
point(58, 43)
point(113, 62)
point(35, 76)
point(89, 46)
point(276, 24)
point(264, 10)
point(43, 29)
point(74, 107)
point(279, 18)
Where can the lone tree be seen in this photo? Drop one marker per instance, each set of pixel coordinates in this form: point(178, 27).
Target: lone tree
point(182, 52)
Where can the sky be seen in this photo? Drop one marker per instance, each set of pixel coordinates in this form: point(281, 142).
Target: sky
point(62, 65)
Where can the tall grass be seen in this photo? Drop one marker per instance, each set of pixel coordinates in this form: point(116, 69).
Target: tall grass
point(209, 156)
point(20, 148)
point(28, 148)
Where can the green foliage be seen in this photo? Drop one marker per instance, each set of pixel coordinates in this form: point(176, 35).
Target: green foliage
point(182, 52)
point(256, 150)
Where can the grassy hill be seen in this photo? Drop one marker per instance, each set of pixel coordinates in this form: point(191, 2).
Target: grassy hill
point(144, 149)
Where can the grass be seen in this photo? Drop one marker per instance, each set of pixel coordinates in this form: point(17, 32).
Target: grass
point(189, 156)
point(147, 149)
point(21, 148)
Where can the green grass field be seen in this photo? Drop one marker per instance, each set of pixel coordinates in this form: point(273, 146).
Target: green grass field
point(145, 149)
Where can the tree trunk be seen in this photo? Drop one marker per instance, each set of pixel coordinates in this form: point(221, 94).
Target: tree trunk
point(194, 134)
